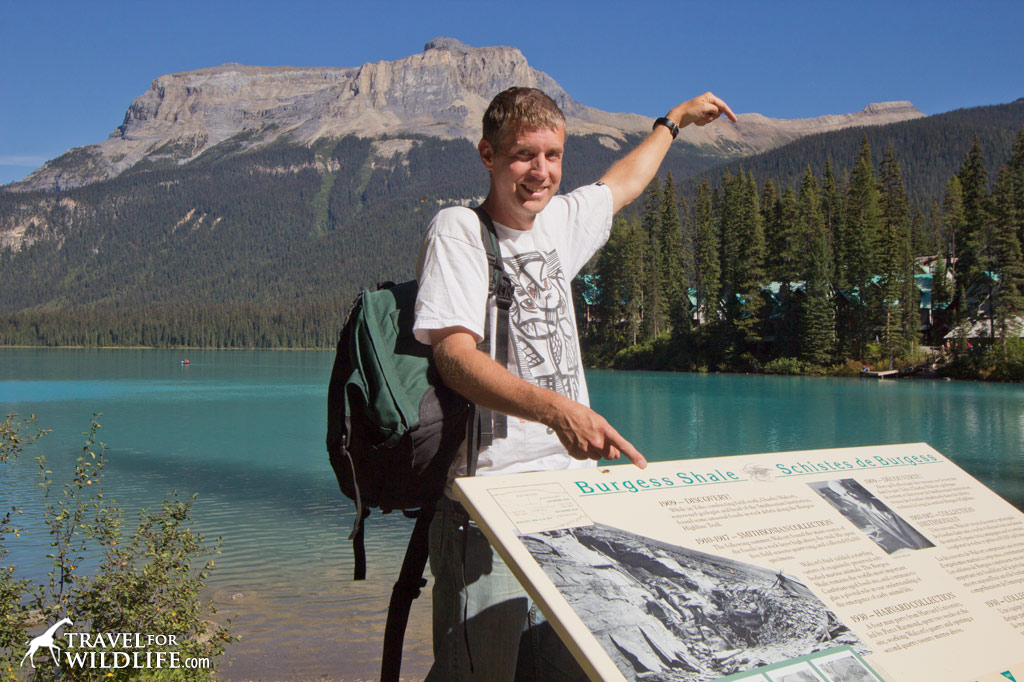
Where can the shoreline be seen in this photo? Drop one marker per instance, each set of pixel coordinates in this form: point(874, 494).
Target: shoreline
point(827, 375)
point(331, 632)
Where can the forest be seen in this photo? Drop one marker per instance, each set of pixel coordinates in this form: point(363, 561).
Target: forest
point(262, 248)
point(837, 273)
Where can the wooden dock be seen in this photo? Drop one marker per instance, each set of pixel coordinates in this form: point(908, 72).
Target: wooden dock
point(869, 374)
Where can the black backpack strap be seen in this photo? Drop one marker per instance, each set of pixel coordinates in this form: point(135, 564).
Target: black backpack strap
point(406, 589)
point(486, 424)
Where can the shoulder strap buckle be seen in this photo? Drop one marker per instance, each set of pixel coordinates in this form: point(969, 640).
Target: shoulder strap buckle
point(503, 292)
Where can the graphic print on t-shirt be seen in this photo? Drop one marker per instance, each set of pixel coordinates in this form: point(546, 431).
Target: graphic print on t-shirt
point(542, 330)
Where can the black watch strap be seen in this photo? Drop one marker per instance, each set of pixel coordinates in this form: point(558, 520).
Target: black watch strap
point(668, 123)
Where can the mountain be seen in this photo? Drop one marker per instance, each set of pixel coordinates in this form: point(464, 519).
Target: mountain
point(441, 92)
point(245, 206)
point(930, 150)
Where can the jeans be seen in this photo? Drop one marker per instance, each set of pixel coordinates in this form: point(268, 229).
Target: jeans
point(508, 638)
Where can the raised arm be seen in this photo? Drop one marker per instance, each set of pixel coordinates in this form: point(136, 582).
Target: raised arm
point(628, 177)
point(584, 433)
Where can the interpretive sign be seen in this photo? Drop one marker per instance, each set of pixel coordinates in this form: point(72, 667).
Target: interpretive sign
point(879, 564)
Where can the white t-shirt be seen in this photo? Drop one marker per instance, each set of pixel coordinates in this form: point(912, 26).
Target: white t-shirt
point(543, 345)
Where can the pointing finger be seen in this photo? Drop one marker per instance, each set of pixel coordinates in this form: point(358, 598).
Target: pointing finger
point(626, 448)
point(723, 108)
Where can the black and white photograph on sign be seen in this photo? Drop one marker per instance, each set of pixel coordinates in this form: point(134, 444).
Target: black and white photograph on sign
point(801, 672)
point(874, 518)
point(666, 613)
point(845, 668)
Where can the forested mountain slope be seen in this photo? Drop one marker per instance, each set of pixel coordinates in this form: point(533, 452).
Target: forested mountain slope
point(266, 246)
point(929, 149)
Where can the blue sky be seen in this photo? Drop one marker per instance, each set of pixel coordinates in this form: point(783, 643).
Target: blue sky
point(69, 70)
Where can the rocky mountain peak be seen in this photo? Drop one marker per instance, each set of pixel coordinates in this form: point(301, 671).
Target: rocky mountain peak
point(441, 91)
point(442, 43)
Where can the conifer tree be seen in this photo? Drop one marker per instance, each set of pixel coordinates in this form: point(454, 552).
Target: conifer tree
point(652, 305)
point(620, 272)
point(934, 227)
point(771, 222)
point(1015, 187)
point(792, 250)
point(898, 301)
point(755, 273)
point(674, 301)
point(941, 293)
point(831, 204)
point(1007, 262)
point(730, 230)
point(817, 314)
point(952, 217)
point(708, 270)
point(789, 267)
point(742, 258)
point(974, 230)
point(858, 257)
point(921, 239)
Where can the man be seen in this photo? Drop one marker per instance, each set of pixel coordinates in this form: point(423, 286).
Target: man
point(484, 625)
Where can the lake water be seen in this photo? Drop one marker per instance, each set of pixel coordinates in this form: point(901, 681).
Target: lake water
point(245, 430)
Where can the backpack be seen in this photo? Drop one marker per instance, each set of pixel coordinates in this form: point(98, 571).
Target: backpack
point(394, 428)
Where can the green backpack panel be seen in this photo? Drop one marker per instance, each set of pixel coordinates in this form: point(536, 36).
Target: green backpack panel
point(393, 428)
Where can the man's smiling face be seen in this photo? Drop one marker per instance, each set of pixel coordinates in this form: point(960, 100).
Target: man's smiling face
point(525, 173)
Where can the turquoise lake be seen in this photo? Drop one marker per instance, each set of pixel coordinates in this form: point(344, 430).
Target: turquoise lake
point(245, 431)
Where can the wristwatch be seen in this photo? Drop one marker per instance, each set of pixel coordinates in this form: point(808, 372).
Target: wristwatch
point(668, 123)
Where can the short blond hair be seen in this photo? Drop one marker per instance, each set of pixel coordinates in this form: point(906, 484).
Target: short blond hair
point(517, 109)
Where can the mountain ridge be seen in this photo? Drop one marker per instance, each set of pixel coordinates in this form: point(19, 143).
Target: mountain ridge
point(439, 92)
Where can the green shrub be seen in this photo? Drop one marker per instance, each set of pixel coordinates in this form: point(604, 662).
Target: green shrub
point(792, 366)
point(658, 353)
point(849, 368)
point(1009, 360)
point(13, 591)
point(148, 582)
point(986, 360)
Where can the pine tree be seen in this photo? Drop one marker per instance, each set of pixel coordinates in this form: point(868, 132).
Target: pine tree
point(974, 231)
point(621, 281)
point(921, 238)
point(1015, 187)
point(731, 233)
point(674, 300)
point(1007, 262)
point(708, 270)
point(652, 307)
point(755, 273)
point(952, 217)
point(857, 260)
point(898, 301)
point(817, 314)
point(771, 221)
point(934, 228)
point(742, 258)
point(831, 205)
point(941, 293)
point(790, 250)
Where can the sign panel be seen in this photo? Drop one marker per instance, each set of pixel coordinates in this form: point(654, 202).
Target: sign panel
point(878, 564)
